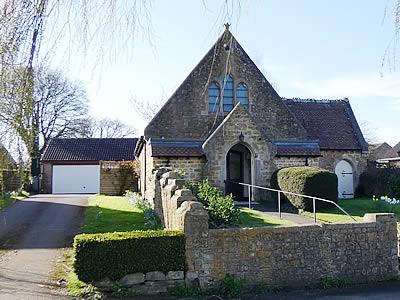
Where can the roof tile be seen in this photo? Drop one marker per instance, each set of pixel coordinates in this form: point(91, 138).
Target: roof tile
point(90, 149)
point(332, 122)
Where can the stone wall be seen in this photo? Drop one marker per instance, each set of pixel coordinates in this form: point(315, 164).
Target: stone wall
point(172, 194)
point(45, 182)
point(150, 283)
point(292, 256)
point(226, 136)
point(280, 256)
point(357, 159)
point(186, 114)
point(192, 167)
point(116, 178)
point(152, 168)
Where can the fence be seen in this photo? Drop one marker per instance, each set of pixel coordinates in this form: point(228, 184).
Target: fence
point(251, 187)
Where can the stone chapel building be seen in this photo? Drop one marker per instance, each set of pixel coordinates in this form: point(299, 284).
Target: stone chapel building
point(226, 123)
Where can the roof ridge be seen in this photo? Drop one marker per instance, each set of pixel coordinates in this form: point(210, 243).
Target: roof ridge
point(85, 138)
point(313, 100)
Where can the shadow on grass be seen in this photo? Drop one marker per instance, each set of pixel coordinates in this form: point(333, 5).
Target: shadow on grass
point(360, 207)
point(253, 218)
point(101, 220)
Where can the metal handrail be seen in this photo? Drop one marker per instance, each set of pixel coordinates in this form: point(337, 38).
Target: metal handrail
point(294, 194)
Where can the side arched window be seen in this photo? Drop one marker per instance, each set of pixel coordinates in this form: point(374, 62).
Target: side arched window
point(228, 99)
point(213, 97)
point(242, 95)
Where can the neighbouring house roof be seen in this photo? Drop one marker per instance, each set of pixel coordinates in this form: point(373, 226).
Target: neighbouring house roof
point(297, 148)
point(332, 122)
point(396, 149)
point(380, 151)
point(176, 148)
point(90, 149)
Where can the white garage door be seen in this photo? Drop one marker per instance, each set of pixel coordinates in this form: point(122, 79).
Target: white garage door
point(79, 179)
point(344, 172)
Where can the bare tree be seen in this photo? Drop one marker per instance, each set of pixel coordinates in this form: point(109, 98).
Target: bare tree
point(108, 128)
point(61, 107)
point(54, 107)
point(368, 132)
point(146, 110)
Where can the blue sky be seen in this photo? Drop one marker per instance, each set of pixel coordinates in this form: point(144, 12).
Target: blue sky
point(309, 48)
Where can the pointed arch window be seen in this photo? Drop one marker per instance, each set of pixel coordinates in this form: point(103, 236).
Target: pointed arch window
point(228, 99)
point(242, 95)
point(213, 97)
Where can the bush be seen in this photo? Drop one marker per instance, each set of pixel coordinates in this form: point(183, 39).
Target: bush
point(152, 221)
point(117, 254)
point(379, 181)
point(308, 181)
point(221, 209)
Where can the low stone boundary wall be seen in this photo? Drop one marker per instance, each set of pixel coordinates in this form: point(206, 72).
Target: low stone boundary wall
point(279, 256)
point(291, 256)
point(150, 283)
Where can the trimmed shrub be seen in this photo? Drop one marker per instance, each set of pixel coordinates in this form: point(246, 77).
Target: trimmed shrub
point(379, 182)
point(221, 209)
point(308, 181)
point(117, 254)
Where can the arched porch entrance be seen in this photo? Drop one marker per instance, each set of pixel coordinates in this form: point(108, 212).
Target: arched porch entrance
point(238, 169)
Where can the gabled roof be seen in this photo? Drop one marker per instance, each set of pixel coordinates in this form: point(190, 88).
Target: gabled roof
point(297, 148)
point(186, 115)
point(90, 149)
point(396, 149)
point(176, 148)
point(381, 150)
point(332, 122)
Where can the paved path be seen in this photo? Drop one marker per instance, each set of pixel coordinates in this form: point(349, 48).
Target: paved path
point(34, 230)
point(373, 291)
point(272, 211)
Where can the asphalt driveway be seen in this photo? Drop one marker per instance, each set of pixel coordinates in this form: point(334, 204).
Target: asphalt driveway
point(33, 231)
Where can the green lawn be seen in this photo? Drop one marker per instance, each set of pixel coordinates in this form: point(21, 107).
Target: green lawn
point(356, 208)
point(111, 213)
point(255, 218)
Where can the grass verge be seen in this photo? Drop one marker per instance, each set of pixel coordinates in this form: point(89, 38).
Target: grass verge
point(356, 208)
point(255, 218)
point(65, 276)
point(110, 214)
point(11, 198)
point(103, 214)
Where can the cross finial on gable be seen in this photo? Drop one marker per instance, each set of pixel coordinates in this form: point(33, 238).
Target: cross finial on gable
point(227, 26)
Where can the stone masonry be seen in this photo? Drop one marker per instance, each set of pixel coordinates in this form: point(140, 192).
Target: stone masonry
point(293, 256)
point(226, 136)
point(186, 114)
point(280, 256)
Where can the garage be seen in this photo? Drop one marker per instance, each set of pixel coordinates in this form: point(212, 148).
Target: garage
point(88, 166)
point(76, 179)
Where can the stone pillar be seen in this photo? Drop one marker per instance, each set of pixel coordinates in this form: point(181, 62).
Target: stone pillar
point(155, 197)
point(193, 218)
point(386, 230)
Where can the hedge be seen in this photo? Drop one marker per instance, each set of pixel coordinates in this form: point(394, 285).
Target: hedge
point(117, 254)
point(379, 182)
point(307, 181)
